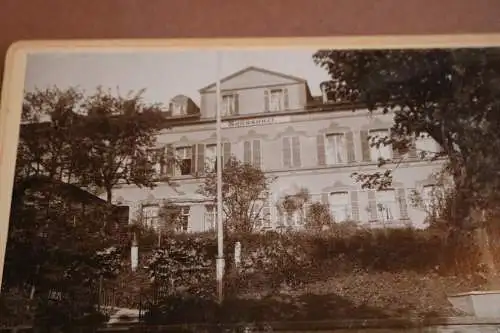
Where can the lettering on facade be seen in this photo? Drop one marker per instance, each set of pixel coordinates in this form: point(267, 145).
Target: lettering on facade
point(254, 122)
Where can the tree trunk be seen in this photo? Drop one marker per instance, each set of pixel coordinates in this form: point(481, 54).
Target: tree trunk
point(109, 195)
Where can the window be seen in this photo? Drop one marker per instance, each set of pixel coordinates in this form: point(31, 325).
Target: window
point(210, 217)
point(387, 205)
point(183, 157)
point(252, 153)
point(229, 106)
point(276, 100)
point(154, 157)
point(429, 198)
point(183, 219)
point(336, 149)
point(210, 157)
point(382, 151)
point(177, 109)
point(340, 207)
point(425, 144)
point(150, 215)
point(291, 152)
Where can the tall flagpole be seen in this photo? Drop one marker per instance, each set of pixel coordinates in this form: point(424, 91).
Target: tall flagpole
point(219, 261)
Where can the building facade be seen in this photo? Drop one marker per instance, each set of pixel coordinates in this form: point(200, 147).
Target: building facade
point(272, 121)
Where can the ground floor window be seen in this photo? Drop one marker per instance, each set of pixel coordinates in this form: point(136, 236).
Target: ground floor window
point(387, 206)
point(150, 215)
point(183, 219)
point(340, 207)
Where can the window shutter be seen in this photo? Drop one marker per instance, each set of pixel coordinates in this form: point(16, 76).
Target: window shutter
point(170, 160)
point(227, 152)
point(403, 207)
point(285, 99)
point(372, 205)
point(193, 159)
point(296, 151)
point(365, 146)
point(355, 206)
point(236, 104)
point(266, 101)
point(256, 154)
point(320, 146)
point(395, 151)
point(351, 155)
point(247, 152)
point(200, 163)
point(287, 154)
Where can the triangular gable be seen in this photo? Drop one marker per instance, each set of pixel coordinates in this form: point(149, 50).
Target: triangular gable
point(279, 77)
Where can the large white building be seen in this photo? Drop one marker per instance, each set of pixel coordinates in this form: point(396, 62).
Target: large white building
point(271, 120)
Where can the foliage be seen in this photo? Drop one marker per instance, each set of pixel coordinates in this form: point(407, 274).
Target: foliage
point(48, 147)
point(56, 247)
point(318, 217)
point(306, 276)
point(183, 267)
point(294, 204)
point(116, 135)
point(170, 217)
point(451, 95)
point(96, 140)
point(245, 188)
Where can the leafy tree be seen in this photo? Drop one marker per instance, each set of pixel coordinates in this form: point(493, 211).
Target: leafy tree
point(245, 188)
point(116, 137)
point(57, 245)
point(452, 95)
point(47, 137)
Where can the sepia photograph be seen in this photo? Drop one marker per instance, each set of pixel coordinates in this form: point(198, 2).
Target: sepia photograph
point(256, 190)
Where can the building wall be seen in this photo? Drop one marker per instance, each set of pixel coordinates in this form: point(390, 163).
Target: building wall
point(309, 170)
point(294, 145)
point(250, 88)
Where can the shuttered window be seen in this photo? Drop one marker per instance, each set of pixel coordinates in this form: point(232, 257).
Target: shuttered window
point(252, 153)
point(291, 152)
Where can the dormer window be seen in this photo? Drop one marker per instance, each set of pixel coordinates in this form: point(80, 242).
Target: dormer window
point(229, 105)
point(177, 109)
point(276, 100)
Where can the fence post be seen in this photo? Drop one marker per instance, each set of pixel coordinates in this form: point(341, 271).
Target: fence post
point(237, 255)
point(134, 254)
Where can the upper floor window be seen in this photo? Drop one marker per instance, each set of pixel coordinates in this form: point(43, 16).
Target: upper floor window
point(229, 105)
point(382, 151)
point(184, 161)
point(291, 152)
point(425, 145)
point(336, 148)
point(276, 99)
point(154, 157)
point(210, 157)
point(252, 153)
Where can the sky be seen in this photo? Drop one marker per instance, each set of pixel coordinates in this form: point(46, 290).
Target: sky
point(163, 74)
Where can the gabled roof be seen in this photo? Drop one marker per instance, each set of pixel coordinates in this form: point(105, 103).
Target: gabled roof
point(253, 68)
